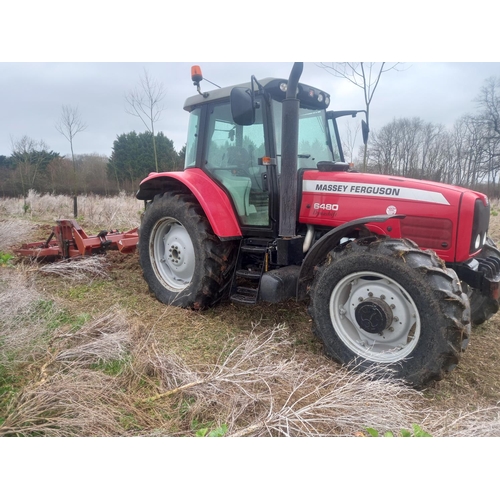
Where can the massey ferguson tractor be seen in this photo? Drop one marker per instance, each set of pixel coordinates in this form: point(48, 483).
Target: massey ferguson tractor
point(395, 270)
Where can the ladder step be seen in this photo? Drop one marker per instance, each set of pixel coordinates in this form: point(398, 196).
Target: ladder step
point(253, 249)
point(240, 298)
point(245, 290)
point(251, 275)
point(241, 291)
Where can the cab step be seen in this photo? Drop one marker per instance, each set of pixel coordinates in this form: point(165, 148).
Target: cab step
point(250, 266)
point(246, 296)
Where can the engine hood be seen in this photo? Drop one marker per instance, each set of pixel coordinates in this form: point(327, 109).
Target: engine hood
point(385, 186)
point(435, 214)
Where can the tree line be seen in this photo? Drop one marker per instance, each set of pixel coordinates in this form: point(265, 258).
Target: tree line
point(468, 154)
point(32, 165)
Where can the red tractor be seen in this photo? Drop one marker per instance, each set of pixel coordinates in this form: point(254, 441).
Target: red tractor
point(395, 270)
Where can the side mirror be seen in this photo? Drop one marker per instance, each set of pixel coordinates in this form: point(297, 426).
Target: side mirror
point(242, 106)
point(365, 131)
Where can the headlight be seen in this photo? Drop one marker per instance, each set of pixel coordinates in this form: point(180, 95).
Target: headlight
point(480, 225)
point(477, 243)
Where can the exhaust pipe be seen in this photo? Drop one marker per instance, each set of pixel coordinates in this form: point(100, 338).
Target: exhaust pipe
point(289, 153)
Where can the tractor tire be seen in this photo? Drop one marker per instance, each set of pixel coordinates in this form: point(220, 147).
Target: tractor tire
point(184, 263)
point(482, 307)
point(386, 306)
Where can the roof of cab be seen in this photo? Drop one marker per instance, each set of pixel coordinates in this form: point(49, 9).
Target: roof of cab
point(192, 102)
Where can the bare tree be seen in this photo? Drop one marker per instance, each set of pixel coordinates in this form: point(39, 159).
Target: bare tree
point(489, 117)
point(364, 75)
point(349, 140)
point(145, 103)
point(489, 105)
point(69, 125)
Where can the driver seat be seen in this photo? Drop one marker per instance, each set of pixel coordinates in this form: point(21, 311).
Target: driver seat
point(238, 157)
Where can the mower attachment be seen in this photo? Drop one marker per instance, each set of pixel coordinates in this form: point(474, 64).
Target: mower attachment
point(72, 241)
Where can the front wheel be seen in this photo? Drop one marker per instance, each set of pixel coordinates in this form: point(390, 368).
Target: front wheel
point(183, 261)
point(386, 303)
point(483, 307)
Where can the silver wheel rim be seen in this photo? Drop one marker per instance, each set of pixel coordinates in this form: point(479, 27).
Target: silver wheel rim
point(172, 254)
point(402, 333)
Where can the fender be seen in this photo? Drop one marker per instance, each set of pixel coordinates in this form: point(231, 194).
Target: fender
point(330, 240)
point(211, 197)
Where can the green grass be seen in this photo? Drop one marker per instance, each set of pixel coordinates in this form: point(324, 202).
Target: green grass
point(6, 259)
point(416, 432)
point(54, 318)
point(8, 390)
point(114, 367)
point(80, 292)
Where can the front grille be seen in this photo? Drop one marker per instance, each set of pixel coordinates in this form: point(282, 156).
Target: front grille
point(428, 232)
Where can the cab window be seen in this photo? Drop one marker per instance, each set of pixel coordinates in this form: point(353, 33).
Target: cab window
point(232, 158)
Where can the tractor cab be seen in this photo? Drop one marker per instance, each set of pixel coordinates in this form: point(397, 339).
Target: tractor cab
point(235, 136)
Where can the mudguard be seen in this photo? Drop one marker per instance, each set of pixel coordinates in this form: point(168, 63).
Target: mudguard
point(330, 240)
point(212, 198)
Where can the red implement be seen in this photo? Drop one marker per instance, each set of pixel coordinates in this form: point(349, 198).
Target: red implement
point(68, 239)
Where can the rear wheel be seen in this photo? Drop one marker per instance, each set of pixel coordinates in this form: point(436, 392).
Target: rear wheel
point(183, 261)
point(386, 303)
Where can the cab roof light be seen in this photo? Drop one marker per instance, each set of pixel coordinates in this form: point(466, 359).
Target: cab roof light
point(196, 75)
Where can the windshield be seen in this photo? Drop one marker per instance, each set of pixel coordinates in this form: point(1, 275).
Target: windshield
point(314, 137)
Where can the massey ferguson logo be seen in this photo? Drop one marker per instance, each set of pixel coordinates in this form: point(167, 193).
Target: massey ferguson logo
point(361, 189)
point(374, 190)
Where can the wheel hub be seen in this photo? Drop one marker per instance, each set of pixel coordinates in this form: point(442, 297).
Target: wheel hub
point(175, 245)
point(175, 254)
point(373, 315)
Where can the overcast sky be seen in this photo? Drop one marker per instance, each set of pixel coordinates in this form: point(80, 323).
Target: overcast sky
point(32, 94)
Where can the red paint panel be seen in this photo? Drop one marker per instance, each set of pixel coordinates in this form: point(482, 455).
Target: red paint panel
point(211, 197)
point(333, 198)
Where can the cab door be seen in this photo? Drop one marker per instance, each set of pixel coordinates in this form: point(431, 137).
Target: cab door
point(232, 154)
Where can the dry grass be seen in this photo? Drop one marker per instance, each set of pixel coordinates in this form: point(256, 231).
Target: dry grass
point(96, 355)
point(74, 403)
point(79, 269)
point(21, 325)
point(14, 232)
point(257, 392)
point(106, 338)
point(122, 212)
